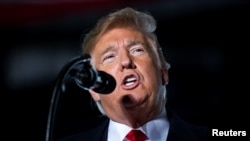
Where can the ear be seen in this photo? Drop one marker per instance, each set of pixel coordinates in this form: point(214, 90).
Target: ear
point(165, 77)
point(94, 95)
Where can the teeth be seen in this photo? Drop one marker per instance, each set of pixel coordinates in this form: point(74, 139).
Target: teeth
point(128, 84)
point(130, 81)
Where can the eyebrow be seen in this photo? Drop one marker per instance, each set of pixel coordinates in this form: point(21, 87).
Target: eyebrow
point(110, 47)
point(134, 42)
point(129, 44)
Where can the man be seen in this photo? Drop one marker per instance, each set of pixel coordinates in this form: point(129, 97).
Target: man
point(124, 45)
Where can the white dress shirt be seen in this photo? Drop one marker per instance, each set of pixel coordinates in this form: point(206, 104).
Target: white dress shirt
point(156, 129)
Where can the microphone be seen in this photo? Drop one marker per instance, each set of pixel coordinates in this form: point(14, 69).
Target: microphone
point(85, 76)
point(88, 77)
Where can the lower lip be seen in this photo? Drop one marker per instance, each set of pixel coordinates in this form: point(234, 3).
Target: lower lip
point(136, 83)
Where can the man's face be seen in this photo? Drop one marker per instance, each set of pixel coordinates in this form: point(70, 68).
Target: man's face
point(127, 55)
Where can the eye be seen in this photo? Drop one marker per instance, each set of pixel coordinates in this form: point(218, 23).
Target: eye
point(137, 50)
point(108, 58)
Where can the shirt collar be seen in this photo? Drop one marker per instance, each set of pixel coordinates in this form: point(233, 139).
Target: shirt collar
point(156, 129)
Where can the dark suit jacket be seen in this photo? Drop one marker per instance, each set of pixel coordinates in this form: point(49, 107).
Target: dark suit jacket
point(179, 131)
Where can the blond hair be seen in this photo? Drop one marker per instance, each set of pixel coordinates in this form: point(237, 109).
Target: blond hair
point(127, 17)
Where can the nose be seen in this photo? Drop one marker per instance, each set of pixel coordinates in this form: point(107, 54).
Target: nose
point(126, 61)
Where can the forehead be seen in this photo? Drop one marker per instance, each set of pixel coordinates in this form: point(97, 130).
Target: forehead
point(120, 36)
point(116, 37)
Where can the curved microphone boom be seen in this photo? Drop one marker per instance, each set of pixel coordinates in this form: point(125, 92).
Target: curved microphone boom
point(85, 76)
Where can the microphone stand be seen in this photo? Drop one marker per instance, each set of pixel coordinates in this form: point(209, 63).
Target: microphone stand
point(59, 88)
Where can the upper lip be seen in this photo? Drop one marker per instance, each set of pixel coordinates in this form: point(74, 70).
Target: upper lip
point(131, 77)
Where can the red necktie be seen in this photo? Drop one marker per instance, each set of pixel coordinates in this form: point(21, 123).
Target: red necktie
point(136, 135)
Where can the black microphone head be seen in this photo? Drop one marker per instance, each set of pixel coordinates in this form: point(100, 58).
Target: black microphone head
point(88, 77)
point(105, 83)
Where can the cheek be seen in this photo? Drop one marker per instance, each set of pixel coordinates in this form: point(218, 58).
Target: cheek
point(151, 68)
point(152, 75)
point(112, 69)
point(153, 78)
point(109, 102)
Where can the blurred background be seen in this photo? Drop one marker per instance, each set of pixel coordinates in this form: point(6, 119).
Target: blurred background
point(205, 42)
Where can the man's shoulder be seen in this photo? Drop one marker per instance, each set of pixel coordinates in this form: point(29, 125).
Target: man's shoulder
point(183, 130)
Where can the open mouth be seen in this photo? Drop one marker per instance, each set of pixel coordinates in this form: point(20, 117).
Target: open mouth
point(130, 82)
